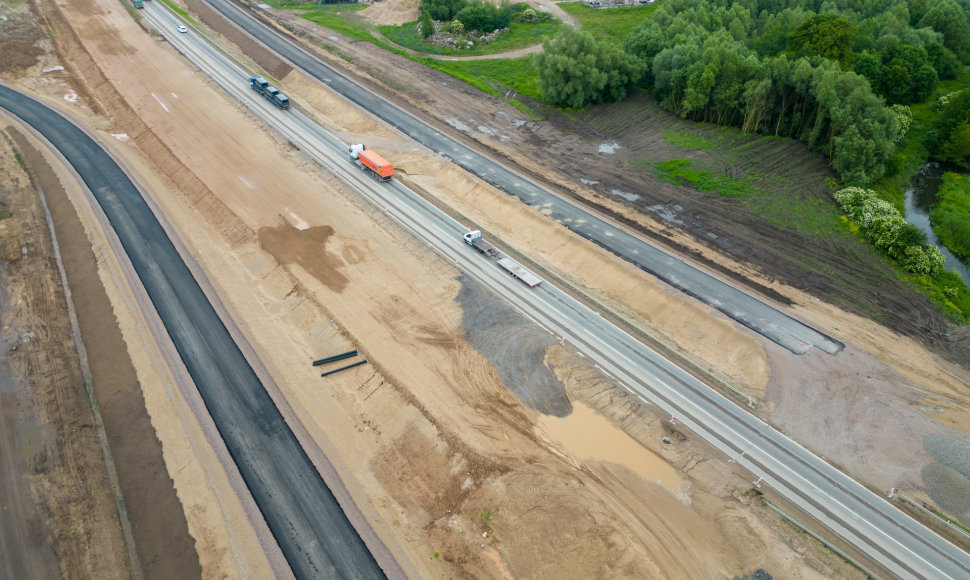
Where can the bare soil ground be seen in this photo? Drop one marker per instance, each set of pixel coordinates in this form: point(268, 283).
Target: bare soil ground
point(454, 471)
point(59, 517)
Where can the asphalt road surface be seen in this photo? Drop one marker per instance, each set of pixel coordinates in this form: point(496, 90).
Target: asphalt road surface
point(313, 532)
point(864, 519)
point(747, 310)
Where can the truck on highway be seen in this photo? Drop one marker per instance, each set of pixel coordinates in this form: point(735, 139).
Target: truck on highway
point(380, 168)
point(474, 239)
point(273, 94)
point(138, 3)
point(519, 272)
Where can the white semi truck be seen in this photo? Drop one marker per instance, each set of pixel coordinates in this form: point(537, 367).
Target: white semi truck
point(474, 239)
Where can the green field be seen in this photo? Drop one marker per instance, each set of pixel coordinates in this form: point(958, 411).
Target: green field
point(685, 139)
point(495, 77)
point(615, 23)
point(681, 172)
point(336, 17)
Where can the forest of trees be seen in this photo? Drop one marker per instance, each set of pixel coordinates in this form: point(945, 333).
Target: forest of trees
point(826, 73)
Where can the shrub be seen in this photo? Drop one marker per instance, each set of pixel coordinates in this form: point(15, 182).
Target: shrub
point(882, 224)
point(427, 26)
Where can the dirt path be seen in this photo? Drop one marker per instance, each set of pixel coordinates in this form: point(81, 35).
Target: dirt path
point(519, 52)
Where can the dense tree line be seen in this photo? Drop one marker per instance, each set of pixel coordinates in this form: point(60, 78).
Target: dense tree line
point(950, 138)
point(819, 71)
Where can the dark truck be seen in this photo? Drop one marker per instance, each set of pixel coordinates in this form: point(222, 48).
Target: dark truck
point(261, 86)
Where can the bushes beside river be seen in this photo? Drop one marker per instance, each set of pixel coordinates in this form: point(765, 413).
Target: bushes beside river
point(951, 214)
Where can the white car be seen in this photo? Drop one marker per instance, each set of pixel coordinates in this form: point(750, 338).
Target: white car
point(183, 29)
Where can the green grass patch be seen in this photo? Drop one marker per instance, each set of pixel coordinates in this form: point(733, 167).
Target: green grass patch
point(336, 17)
point(951, 214)
point(679, 172)
point(330, 17)
point(495, 77)
point(520, 35)
point(812, 216)
point(613, 23)
point(684, 139)
point(178, 10)
point(947, 290)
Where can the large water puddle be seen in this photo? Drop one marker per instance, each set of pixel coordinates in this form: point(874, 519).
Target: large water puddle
point(587, 435)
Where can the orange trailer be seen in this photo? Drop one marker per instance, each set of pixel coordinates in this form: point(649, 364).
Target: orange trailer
point(366, 159)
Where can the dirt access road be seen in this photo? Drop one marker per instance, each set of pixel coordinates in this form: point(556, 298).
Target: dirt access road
point(455, 473)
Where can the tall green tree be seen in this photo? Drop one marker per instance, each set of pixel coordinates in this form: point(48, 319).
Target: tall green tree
point(427, 25)
point(956, 149)
point(575, 70)
point(906, 77)
point(442, 10)
point(949, 18)
point(825, 35)
point(954, 113)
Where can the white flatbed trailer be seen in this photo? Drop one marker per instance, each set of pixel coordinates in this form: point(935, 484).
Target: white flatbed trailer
point(519, 271)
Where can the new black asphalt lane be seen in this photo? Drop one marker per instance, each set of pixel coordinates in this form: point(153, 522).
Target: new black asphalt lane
point(760, 317)
point(314, 534)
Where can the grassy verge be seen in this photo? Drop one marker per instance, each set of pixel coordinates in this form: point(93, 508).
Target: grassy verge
point(519, 35)
point(680, 172)
point(495, 77)
point(946, 290)
point(807, 216)
point(336, 17)
point(178, 10)
point(614, 23)
point(951, 214)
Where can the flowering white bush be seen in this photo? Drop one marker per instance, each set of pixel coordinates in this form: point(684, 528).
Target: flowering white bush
point(904, 118)
point(943, 101)
point(881, 223)
point(926, 260)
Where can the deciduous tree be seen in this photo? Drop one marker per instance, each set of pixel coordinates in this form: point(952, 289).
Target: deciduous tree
point(575, 70)
point(825, 35)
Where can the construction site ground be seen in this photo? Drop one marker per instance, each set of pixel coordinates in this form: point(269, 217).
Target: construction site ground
point(476, 444)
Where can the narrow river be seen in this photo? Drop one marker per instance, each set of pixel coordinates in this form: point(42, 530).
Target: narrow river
point(918, 201)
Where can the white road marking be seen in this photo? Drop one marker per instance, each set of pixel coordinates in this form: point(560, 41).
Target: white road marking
point(161, 103)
